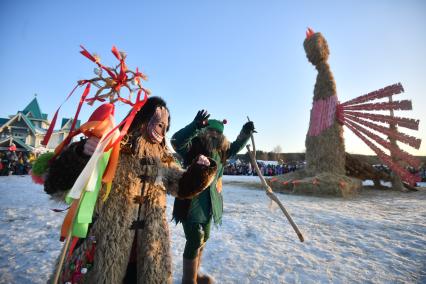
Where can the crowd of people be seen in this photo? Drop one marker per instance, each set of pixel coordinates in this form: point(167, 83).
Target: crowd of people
point(419, 172)
point(267, 168)
point(19, 163)
point(272, 168)
point(15, 163)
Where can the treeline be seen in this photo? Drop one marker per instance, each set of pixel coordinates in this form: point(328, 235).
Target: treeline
point(273, 156)
point(290, 158)
point(295, 157)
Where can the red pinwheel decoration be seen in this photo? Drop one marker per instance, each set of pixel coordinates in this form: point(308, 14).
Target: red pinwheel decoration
point(357, 114)
point(109, 87)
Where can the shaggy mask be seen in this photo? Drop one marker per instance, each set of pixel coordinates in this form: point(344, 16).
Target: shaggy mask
point(213, 140)
point(158, 124)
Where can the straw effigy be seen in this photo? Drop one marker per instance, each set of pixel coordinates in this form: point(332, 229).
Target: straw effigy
point(325, 149)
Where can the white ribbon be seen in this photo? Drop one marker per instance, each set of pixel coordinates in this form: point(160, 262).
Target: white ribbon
point(90, 174)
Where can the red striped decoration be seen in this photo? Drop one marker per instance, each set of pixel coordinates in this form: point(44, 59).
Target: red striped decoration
point(397, 169)
point(351, 114)
point(399, 121)
point(382, 93)
point(396, 105)
point(401, 154)
point(322, 115)
point(404, 138)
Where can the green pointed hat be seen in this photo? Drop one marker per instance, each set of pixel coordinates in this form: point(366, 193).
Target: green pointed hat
point(216, 124)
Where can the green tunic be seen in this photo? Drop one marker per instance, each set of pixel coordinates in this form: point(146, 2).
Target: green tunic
point(209, 203)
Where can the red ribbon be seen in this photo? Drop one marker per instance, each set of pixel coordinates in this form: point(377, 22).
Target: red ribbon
point(90, 254)
point(72, 246)
point(138, 76)
point(87, 54)
point(128, 120)
point(83, 97)
point(117, 54)
point(93, 99)
point(53, 122)
point(50, 130)
point(122, 77)
point(73, 133)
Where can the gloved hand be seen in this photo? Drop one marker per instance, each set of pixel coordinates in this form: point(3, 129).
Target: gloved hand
point(248, 127)
point(201, 118)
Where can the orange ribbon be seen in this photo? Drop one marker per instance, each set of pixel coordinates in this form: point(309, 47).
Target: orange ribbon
point(69, 219)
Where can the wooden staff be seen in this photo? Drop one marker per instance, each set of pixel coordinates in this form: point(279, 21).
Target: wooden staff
point(271, 194)
point(61, 261)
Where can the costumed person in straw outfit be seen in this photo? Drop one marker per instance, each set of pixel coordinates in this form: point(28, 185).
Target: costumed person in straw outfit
point(128, 241)
point(203, 136)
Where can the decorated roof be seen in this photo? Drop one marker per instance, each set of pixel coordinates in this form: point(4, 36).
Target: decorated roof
point(68, 121)
point(24, 118)
point(29, 123)
point(3, 121)
point(40, 130)
point(8, 141)
point(22, 144)
point(34, 108)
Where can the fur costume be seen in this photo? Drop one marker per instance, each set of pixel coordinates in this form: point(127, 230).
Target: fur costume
point(130, 228)
point(189, 142)
point(197, 214)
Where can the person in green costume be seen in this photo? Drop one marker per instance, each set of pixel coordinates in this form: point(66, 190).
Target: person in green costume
point(203, 136)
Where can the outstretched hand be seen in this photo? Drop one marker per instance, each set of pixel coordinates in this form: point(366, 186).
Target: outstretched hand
point(201, 118)
point(248, 127)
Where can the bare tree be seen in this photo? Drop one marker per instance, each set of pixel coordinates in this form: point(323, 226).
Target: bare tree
point(277, 149)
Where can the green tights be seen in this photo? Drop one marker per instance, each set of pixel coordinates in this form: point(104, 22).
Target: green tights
point(196, 235)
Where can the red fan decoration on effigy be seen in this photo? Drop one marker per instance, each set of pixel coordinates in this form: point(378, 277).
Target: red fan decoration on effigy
point(356, 115)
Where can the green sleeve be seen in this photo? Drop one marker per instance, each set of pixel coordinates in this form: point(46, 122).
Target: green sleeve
point(238, 144)
point(181, 140)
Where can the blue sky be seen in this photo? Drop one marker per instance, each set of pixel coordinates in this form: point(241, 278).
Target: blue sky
point(233, 58)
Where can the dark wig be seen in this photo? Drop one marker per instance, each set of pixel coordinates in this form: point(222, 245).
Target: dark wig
point(147, 111)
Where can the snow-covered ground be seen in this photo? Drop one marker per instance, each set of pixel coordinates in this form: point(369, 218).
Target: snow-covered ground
point(378, 237)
